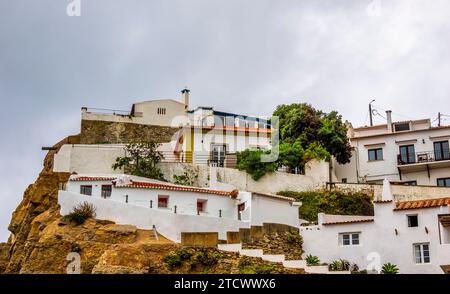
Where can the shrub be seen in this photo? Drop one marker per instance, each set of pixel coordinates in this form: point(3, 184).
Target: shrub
point(339, 265)
point(331, 202)
point(207, 258)
point(293, 237)
point(81, 213)
point(260, 269)
point(184, 254)
point(389, 268)
point(312, 260)
point(172, 260)
point(250, 161)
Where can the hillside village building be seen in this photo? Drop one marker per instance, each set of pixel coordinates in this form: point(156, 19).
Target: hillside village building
point(205, 135)
point(414, 235)
point(173, 209)
point(410, 152)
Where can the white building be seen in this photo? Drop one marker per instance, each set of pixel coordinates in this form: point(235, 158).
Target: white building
point(145, 202)
point(206, 135)
point(414, 235)
point(410, 152)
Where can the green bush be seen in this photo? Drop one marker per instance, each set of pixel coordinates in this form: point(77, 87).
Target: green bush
point(293, 237)
point(207, 258)
point(339, 265)
point(172, 260)
point(389, 269)
point(184, 254)
point(312, 260)
point(250, 161)
point(81, 213)
point(331, 202)
point(260, 269)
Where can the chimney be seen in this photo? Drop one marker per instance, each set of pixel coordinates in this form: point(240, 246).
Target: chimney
point(389, 120)
point(213, 175)
point(185, 98)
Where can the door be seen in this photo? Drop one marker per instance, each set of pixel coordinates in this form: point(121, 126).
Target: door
point(218, 154)
point(241, 207)
point(441, 150)
point(407, 154)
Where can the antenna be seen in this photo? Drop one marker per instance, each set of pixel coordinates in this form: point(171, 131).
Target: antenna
point(370, 112)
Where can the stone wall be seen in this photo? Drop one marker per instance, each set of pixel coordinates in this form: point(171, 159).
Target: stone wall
point(199, 239)
point(107, 132)
point(273, 239)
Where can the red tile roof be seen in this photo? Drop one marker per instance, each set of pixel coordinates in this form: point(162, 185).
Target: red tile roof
point(382, 201)
point(161, 186)
point(87, 178)
point(349, 222)
point(275, 196)
point(424, 203)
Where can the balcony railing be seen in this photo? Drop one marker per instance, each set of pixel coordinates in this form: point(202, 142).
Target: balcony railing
point(422, 157)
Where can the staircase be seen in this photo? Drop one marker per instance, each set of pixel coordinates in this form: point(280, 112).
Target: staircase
point(279, 258)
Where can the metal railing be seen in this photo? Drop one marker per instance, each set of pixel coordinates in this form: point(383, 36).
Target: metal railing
point(422, 157)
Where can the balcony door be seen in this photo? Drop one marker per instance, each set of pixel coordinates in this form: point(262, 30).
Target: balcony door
point(407, 154)
point(441, 150)
point(218, 153)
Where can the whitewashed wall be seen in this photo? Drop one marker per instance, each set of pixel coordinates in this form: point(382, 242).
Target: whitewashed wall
point(271, 210)
point(168, 224)
point(380, 237)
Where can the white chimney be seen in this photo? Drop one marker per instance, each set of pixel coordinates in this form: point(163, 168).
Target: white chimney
point(185, 98)
point(213, 175)
point(386, 194)
point(389, 120)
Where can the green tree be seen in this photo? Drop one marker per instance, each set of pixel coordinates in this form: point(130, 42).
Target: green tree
point(141, 159)
point(250, 161)
point(323, 134)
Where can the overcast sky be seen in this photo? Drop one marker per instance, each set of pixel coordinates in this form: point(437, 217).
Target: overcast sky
point(239, 56)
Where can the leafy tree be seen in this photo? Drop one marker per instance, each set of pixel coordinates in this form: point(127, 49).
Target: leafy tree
point(250, 161)
point(321, 134)
point(141, 159)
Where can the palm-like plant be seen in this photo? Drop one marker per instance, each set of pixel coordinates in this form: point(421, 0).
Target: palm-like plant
point(389, 268)
point(312, 260)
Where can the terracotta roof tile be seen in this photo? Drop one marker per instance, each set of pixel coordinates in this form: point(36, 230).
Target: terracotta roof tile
point(149, 185)
point(87, 178)
point(424, 203)
point(330, 219)
point(275, 196)
point(349, 222)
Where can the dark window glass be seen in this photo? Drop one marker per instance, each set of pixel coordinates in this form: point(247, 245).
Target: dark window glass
point(413, 221)
point(106, 191)
point(441, 150)
point(163, 201)
point(355, 239)
point(445, 182)
point(346, 239)
point(401, 127)
point(86, 190)
point(407, 154)
point(375, 154)
point(410, 183)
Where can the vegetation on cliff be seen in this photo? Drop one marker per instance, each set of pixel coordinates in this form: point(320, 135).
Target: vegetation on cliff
point(331, 202)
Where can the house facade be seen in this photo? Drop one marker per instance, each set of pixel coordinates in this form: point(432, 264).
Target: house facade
point(414, 235)
point(145, 202)
point(410, 152)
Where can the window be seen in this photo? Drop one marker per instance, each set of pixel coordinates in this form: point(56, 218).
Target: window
point(161, 111)
point(410, 183)
point(407, 154)
point(106, 191)
point(422, 253)
point(163, 201)
point(441, 150)
point(201, 204)
point(348, 239)
point(86, 190)
point(400, 127)
point(444, 182)
point(375, 154)
point(344, 180)
point(413, 221)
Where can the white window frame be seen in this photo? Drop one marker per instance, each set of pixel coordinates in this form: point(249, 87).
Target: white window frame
point(350, 234)
point(421, 251)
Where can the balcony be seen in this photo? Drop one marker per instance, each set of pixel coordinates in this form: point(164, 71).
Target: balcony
point(426, 160)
